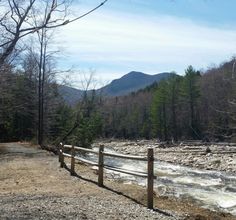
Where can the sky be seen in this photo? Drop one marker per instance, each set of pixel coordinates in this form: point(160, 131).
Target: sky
point(151, 36)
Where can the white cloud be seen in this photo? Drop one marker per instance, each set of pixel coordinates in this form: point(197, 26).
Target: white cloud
point(116, 42)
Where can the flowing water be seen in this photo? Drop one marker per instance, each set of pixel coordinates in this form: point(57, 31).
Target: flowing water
point(211, 189)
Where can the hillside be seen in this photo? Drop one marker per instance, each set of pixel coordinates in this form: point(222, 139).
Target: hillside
point(70, 95)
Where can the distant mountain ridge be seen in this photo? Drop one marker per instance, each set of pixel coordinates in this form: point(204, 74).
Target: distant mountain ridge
point(131, 82)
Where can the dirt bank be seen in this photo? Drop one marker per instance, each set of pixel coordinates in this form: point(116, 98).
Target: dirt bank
point(33, 186)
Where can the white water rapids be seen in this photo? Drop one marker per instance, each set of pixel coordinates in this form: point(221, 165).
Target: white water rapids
point(211, 189)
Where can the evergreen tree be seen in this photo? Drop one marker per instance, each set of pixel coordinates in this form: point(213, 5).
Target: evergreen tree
point(159, 111)
point(191, 95)
point(174, 104)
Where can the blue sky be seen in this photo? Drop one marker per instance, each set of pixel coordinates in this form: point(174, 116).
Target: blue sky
point(151, 36)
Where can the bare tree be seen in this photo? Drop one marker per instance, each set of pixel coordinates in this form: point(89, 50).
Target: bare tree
point(17, 20)
point(86, 106)
point(43, 41)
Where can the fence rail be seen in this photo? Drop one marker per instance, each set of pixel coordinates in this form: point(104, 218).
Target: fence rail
point(101, 166)
point(130, 157)
point(203, 152)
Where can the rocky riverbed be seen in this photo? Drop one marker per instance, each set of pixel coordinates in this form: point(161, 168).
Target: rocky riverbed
point(218, 156)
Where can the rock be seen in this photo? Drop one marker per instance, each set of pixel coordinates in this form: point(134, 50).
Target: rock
point(209, 154)
point(162, 145)
point(161, 190)
point(208, 150)
point(216, 161)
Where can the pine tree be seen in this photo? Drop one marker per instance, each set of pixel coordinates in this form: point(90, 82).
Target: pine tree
point(191, 95)
point(159, 111)
point(174, 102)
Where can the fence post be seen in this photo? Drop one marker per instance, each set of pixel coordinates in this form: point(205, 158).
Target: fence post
point(62, 156)
point(72, 163)
point(100, 165)
point(150, 179)
point(59, 152)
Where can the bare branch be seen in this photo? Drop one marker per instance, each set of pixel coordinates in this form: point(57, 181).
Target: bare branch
point(89, 12)
point(21, 21)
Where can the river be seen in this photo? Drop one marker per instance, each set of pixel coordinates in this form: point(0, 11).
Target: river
point(210, 189)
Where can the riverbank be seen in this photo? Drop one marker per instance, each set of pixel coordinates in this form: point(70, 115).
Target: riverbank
point(220, 157)
point(33, 186)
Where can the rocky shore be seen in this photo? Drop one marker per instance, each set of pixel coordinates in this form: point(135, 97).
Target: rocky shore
point(218, 156)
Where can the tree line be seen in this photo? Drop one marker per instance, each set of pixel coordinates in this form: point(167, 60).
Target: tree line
point(19, 113)
point(197, 105)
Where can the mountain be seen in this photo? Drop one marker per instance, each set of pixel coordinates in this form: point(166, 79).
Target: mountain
point(69, 94)
point(128, 83)
point(132, 82)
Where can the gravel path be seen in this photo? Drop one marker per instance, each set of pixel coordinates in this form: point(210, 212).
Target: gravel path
point(32, 186)
point(65, 207)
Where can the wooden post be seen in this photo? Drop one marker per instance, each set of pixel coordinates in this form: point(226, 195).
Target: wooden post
point(150, 179)
point(62, 156)
point(72, 163)
point(59, 153)
point(100, 165)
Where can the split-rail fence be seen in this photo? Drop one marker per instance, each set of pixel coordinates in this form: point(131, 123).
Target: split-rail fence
point(101, 165)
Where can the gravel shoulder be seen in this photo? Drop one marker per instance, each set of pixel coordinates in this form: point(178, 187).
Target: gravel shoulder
point(32, 186)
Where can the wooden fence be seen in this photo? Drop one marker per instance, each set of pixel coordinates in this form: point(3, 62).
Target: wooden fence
point(101, 165)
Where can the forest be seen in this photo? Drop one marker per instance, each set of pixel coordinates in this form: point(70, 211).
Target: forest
point(196, 105)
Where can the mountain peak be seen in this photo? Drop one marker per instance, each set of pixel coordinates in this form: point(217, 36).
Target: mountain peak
point(132, 82)
point(134, 74)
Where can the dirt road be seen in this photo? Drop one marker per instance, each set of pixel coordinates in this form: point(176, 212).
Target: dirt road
point(32, 186)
